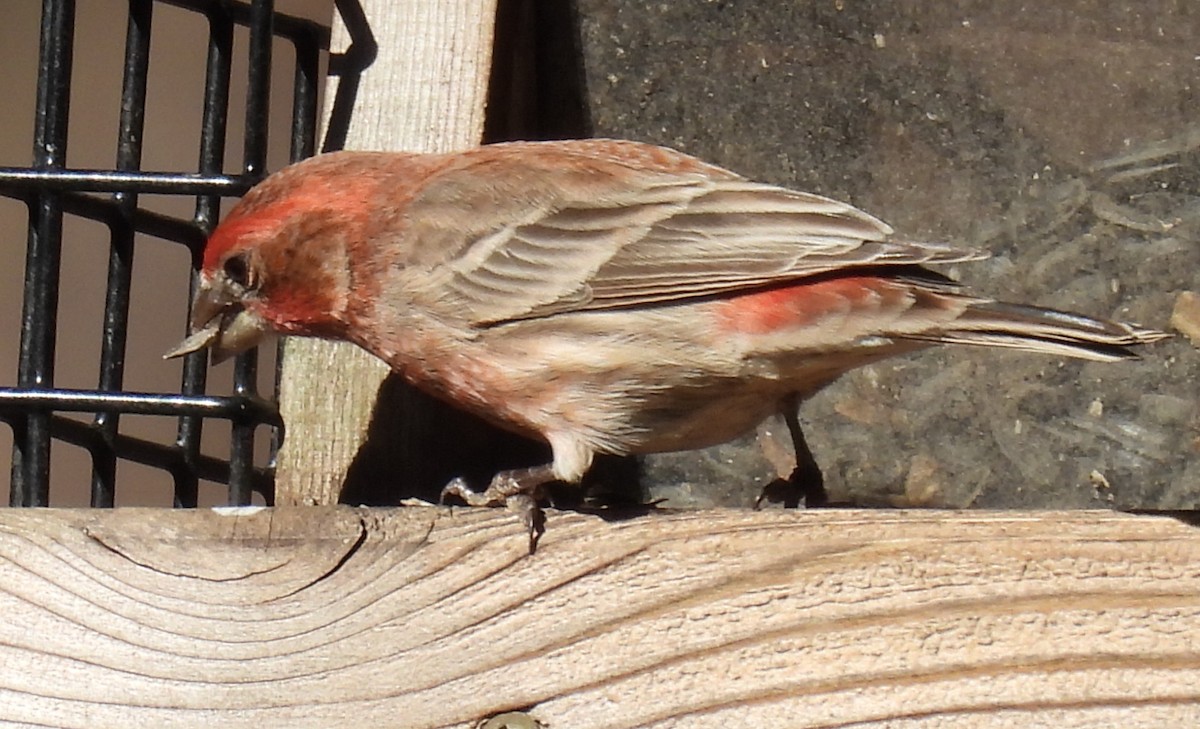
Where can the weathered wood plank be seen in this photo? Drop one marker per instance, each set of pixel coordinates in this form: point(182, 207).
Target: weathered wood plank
point(427, 617)
point(425, 91)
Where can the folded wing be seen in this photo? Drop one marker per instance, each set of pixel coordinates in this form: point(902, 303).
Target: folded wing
point(625, 237)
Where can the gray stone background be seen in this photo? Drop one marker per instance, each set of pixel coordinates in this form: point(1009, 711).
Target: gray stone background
point(1065, 139)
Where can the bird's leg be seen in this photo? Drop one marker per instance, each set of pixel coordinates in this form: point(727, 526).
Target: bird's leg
point(804, 480)
point(807, 476)
point(519, 489)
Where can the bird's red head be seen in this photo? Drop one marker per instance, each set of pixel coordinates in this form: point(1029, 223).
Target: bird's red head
point(279, 261)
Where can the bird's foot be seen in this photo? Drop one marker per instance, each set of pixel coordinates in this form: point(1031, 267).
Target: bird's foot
point(802, 486)
point(781, 491)
point(806, 482)
point(810, 482)
point(519, 490)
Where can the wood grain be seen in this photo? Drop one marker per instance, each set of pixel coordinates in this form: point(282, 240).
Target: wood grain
point(428, 617)
point(425, 91)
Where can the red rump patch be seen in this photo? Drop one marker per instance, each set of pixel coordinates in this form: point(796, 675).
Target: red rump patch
point(795, 306)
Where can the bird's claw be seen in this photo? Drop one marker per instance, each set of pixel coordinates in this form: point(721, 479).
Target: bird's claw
point(458, 488)
point(805, 485)
point(520, 498)
point(532, 516)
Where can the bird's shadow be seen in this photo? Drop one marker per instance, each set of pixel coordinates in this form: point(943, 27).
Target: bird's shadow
point(416, 444)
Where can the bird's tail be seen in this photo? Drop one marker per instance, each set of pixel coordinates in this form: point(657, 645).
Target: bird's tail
point(1034, 329)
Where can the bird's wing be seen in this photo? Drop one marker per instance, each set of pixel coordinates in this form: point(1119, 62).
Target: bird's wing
point(635, 238)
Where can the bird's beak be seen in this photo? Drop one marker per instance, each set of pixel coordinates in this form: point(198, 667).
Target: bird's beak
point(220, 322)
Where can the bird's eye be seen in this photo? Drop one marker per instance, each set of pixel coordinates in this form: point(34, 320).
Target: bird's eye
point(237, 270)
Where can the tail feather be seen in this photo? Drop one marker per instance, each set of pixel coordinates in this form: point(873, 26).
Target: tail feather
point(1048, 331)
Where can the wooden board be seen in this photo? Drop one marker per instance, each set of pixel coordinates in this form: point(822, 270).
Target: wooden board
point(431, 617)
point(424, 90)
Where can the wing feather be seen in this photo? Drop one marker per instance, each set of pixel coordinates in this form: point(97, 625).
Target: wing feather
point(630, 237)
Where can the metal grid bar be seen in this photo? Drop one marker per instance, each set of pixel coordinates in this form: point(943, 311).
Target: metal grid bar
point(50, 190)
point(57, 180)
point(212, 151)
point(245, 367)
point(120, 257)
point(31, 454)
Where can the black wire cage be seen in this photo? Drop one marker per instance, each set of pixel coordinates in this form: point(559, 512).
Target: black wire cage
point(35, 409)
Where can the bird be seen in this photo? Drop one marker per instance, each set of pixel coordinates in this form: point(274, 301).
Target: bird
point(603, 296)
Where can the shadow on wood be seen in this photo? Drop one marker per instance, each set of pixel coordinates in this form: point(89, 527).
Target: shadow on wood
point(415, 444)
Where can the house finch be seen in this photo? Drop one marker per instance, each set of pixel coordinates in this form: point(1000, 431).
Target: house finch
point(604, 296)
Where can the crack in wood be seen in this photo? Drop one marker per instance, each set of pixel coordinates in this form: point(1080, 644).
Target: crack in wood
point(355, 546)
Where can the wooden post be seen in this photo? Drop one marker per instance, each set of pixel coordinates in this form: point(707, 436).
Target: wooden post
point(425, 91)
